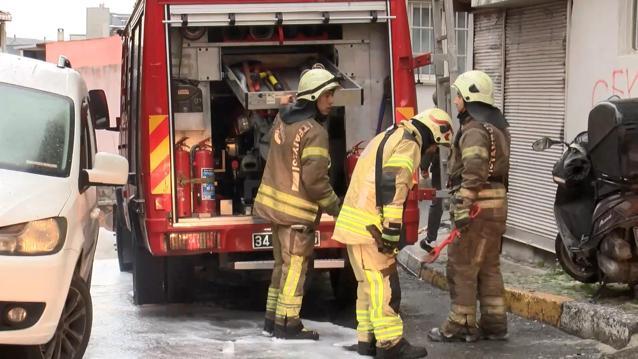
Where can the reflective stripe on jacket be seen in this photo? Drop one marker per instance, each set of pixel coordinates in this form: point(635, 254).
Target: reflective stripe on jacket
point(401, 157)
point(295, 185)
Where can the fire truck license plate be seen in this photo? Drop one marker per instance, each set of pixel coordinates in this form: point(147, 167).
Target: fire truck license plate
point(264, 240)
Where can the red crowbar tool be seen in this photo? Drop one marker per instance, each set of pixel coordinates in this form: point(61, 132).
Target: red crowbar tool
point(436, 251)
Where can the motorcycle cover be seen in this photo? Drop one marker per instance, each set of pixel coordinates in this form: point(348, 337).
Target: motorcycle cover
point(574, 166)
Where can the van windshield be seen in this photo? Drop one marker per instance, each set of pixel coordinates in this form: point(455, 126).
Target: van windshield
point(36, 131)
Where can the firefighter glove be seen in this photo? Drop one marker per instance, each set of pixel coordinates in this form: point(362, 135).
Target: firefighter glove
point(390, 239)
point(334, 208)
point(462, 218)
point(461, 212)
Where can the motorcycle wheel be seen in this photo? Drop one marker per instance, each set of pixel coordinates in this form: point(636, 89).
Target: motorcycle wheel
point(584, 274)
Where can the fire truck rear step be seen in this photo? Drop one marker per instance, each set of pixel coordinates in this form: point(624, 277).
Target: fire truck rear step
point(318, 264)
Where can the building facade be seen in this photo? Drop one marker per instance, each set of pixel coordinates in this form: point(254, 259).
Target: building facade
point(4, 18)
point(100, 68)
point(100, 22)
point(551, 62)
point(422, 34)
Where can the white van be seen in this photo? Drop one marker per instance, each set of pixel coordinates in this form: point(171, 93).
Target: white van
point(48, 206)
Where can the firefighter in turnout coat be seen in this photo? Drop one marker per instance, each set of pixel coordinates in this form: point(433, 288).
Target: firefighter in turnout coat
point(294, 190)
point(478, 172)
point(371, 222)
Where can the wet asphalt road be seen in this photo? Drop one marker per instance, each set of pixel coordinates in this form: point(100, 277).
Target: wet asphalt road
point(227, 324)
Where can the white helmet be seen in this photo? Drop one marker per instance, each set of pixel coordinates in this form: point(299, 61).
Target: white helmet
point(314, 82)
point(475, 86)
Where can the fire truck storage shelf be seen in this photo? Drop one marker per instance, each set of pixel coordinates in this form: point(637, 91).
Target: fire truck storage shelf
point(286, 68)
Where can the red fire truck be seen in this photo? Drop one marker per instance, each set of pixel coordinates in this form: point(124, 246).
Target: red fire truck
point(201, 84)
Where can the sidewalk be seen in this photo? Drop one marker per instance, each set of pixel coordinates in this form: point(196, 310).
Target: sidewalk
point(547, 294)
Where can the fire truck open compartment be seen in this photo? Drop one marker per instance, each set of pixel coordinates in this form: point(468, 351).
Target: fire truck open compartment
point(227, 83)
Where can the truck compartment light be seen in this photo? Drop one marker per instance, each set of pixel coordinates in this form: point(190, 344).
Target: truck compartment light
point(192, 241)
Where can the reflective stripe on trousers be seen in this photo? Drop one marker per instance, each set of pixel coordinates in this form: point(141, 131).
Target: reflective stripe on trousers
point(377, 298)
point(289, 304)
point(386, 327)
point(293, 248)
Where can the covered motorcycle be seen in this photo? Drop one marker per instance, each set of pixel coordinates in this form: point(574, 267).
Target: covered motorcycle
point(596, 205)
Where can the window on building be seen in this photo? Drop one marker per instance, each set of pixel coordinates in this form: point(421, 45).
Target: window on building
point(422, 33)
point(462, 36)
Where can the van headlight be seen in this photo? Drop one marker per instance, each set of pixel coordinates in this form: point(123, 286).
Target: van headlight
point(40, 237)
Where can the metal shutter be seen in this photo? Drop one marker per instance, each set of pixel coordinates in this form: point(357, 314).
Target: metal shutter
point(535, 40)
point(488, 48)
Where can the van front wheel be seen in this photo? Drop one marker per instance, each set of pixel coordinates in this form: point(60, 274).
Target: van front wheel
point(74, 328)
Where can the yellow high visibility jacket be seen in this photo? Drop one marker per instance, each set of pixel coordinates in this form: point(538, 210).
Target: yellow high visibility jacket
point(295, 186)
point(401, 157)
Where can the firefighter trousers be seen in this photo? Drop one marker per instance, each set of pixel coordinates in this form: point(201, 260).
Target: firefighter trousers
point(473, 272)
point(292, 249)
point(378, 295)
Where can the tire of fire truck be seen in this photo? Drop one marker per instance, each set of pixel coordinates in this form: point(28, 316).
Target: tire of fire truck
point(344, 285)
point(148, 271)
point(122, 241)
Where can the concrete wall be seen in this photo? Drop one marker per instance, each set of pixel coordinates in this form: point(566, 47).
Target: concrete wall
point(100, 67)
point(98, 20)
point(3, 36)
point(601, 61)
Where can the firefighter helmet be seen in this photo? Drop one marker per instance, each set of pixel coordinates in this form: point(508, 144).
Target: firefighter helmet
point(475, 86)
point(314, 82)
point(439, 123)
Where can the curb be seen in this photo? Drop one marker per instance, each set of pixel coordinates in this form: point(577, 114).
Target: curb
point(628, 353)
point(588, 321)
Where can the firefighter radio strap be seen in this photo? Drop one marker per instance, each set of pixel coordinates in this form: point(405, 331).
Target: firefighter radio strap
point(378, 172)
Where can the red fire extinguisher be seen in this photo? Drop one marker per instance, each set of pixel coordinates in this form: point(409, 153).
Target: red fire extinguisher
point(351, 160)
point(203, 179)
point(183, 172)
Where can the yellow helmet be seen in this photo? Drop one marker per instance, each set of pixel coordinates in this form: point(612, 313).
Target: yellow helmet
point(439, 123)
point(314, 82)
point(475, 86)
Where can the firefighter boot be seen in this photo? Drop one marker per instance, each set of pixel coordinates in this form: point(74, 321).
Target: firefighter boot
point(401, 350)
point(269, 327)
point(436, 335)
point(364, 348)
point(498, 337)
point(295, 333)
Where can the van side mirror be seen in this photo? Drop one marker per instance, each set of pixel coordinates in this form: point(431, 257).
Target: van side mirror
point(543, 144)
point(108, 170)
point(99, 110)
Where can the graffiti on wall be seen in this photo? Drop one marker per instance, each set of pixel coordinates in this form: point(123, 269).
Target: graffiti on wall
point(619, 82)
